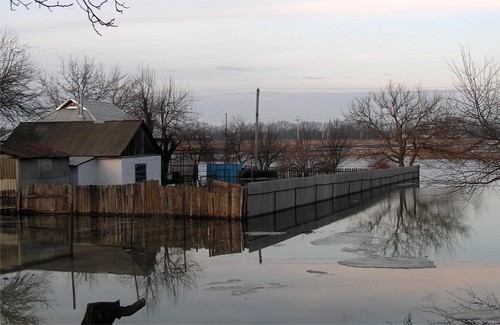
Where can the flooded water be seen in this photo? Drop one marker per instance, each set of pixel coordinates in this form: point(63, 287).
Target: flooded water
point(375, 258)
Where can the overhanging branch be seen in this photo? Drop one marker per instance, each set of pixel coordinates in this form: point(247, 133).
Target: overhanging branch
point(92, 9)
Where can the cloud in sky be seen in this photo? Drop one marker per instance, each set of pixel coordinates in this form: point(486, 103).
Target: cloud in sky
point(201, 10)
point(287, 46)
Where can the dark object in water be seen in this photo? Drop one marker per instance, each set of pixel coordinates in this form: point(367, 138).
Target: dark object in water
point(107, 312)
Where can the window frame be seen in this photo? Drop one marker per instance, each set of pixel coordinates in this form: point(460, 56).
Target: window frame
point(140, 172)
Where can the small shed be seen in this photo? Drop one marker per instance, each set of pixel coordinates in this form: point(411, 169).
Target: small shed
point(224, 172)
point(33, 164)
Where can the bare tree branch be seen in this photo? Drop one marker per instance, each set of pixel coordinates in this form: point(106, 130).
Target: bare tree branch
point(92, 9)
point(478, 123)
point(83, 79)
point(336, 146)
point(467, 307)
point(407, 122)
point(17, 72)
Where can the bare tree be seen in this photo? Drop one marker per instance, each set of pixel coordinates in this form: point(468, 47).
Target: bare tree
point(335, 146)
point(405, 121)
point(301, 158)
point(199, 144)
point(406, 225)
point(298, 159)
point(17, 72)
point(22, 296)
point(478, 107)
point(238, 136)
point(92, 9)
point(85, 79)
point(271, 147)
point(165, 108)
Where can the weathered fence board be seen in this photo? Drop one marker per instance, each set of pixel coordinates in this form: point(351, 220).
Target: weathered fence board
point(217, 200)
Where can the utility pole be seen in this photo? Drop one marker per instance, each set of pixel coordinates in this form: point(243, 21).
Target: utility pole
point(298, 132)
point(80, 104)
point(257, 128)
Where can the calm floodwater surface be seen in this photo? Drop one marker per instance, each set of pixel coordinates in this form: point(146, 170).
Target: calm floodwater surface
point(364, 260)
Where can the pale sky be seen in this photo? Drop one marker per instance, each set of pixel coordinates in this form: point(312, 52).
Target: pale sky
point(309, 58)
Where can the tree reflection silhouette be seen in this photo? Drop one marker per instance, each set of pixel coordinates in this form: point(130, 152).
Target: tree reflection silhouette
point(410, 224)
point(23, 296)
point(174, 272)
point(467, 307)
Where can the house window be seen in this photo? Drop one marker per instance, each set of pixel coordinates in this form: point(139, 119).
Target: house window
point(140, 173)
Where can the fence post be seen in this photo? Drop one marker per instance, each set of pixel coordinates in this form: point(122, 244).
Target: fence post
point(274, 200)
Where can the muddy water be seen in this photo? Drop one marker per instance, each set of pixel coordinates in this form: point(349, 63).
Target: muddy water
point(367, 259)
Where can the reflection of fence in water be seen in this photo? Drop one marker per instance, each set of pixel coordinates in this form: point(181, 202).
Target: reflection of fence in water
point(31, 240)
point(305, 218)
point(219, 236)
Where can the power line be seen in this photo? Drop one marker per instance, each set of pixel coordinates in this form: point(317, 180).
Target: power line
point(274, 91)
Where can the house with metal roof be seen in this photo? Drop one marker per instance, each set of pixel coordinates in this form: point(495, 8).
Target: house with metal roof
point(89, 110)
point(97, 153)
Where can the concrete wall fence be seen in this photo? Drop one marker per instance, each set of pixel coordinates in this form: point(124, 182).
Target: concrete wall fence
point(217, 200)
point(266, 197)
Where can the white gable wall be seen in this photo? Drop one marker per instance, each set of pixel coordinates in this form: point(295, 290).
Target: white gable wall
point(115, 171)
point(153, 168)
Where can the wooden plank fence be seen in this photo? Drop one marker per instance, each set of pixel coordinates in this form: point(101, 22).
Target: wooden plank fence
point(8, 184)
point(217, 200)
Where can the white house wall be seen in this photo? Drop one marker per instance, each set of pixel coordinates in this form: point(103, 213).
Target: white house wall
point(153, 168)
point(109, 171)
point(84, 174)
point(114, 171)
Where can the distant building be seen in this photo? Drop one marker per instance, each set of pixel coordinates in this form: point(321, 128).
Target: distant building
point(96, 153)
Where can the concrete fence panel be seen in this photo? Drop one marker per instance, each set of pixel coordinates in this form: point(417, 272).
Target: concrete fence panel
point(275, 195)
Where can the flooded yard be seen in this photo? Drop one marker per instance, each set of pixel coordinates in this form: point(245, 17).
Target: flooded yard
point(389, 257)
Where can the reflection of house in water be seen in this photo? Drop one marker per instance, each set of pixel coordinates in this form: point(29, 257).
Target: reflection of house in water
point(120, 245)
point(23, 246)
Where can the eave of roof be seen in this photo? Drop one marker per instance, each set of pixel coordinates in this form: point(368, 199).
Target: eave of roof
point(33, 151)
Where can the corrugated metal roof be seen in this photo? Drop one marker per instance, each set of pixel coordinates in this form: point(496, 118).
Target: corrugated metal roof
point(103, 111)
point(78, 138)
point(32, 151)
point(66, 115)
point(92, 111)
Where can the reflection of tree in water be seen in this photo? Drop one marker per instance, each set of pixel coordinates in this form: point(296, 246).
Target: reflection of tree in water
point(175, 272)
point(410, 224)
point(467, 307)
point(93, 280)
point(23, 296)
